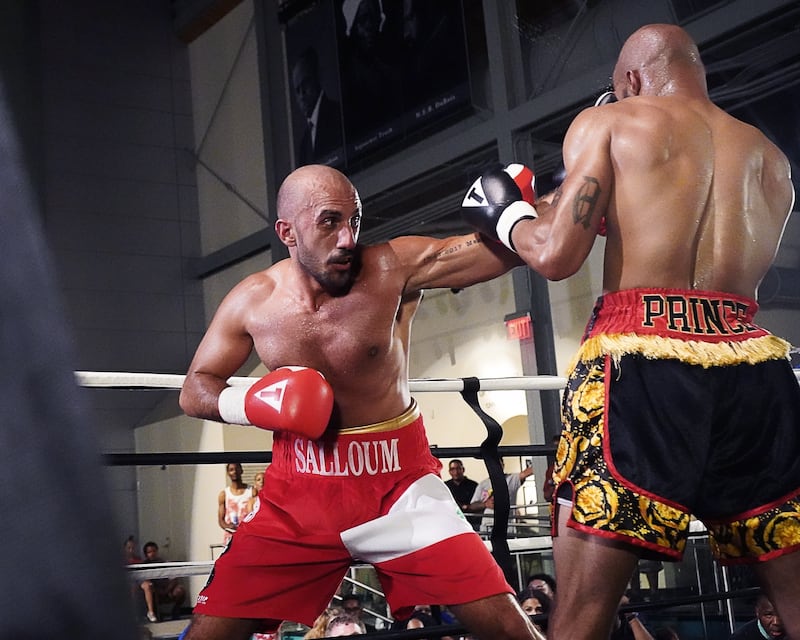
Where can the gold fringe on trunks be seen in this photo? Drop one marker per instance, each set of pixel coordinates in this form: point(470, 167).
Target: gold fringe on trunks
point(695, 352)
point(403, 420)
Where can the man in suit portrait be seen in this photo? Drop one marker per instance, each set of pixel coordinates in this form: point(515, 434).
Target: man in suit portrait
point(322, 140)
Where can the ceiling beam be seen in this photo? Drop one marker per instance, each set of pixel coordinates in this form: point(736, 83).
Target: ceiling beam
point(192, 18)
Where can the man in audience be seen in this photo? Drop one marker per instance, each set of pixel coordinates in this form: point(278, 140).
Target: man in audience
point(462, 488)
point(542, 582)
point(353, 605)
point(766, 624)
point(483, 500)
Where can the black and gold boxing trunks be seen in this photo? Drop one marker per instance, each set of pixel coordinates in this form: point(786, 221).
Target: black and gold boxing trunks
point(678, 405)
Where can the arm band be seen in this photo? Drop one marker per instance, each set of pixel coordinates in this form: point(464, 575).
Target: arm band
point(511, 215)
point(231, 405)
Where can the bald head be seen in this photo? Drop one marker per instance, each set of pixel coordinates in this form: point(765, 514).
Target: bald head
point(303, 185)
point(659, 59)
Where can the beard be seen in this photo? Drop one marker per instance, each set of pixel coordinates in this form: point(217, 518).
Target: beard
point(335, 282)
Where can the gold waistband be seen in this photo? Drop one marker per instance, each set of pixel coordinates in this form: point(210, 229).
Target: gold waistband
point(403, 420)
point(705, 354)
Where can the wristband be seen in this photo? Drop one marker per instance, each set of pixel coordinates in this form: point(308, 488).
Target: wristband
point(231, 405)
point(512, 214)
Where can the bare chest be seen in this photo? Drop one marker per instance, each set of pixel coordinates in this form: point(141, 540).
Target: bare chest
point(340, 337)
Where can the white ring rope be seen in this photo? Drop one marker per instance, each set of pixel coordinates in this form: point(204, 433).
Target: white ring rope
point(117, 379)
point(122, 380)
point(154, 571)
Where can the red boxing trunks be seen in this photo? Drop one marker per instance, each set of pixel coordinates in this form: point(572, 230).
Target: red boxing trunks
point(679, 405)
point(372, 495)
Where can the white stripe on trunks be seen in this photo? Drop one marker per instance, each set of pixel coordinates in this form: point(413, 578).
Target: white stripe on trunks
point(424, 515)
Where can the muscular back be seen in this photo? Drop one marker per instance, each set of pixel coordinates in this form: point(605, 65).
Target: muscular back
point(698, 198)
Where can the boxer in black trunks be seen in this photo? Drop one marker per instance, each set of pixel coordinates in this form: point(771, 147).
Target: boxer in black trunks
point(693, 203)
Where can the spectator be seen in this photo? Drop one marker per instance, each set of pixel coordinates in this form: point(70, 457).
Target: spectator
point(161, 590)
point(534, 603)
point(419, 620)
point(132, 557)
point(462, 488)
point(543, 582)
point(548, 486)
point(258, 484)
point(129, 550)
point(344, 625)
point(628, 625)
point(766, 624)
point(320, 626)
point(483, 501)
point(233, 500)
point(353, 604)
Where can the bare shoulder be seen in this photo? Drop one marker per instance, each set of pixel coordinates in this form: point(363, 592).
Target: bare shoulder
point(591, 128)
point(259, 284)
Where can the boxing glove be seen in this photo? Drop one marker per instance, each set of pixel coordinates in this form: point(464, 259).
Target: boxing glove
point(607, 98)
point(296, 399)
point(498, 200)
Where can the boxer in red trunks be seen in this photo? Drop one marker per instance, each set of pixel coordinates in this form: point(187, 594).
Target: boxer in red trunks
point(693, 203)
point(352, 476)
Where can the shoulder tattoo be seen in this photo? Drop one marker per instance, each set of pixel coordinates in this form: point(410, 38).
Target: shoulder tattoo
point(585, 203)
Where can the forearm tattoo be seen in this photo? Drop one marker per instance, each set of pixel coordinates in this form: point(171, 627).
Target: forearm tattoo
point(455, 248)
point(585, 203)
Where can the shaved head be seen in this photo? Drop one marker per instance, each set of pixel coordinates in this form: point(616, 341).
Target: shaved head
point(657, 58)
point(299, 188)
point(318, 219)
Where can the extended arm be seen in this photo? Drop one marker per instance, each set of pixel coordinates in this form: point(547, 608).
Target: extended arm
point(557, 243)
point(454, 262)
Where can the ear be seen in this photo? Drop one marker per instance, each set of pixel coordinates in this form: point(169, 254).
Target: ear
point(285, 232)
point(634, 81)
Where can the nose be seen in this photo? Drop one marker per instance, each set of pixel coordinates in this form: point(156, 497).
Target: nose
point(347, 237)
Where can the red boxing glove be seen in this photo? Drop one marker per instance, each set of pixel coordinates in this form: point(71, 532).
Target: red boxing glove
point(296, 399)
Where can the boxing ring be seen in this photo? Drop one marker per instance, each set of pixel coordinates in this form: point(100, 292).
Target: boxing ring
point(489, 451)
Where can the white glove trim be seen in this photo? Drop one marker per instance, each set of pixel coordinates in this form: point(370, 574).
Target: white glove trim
point(231, 405)
point(511, 215)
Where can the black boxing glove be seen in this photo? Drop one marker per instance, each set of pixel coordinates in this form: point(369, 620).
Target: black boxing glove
point(498, 200)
